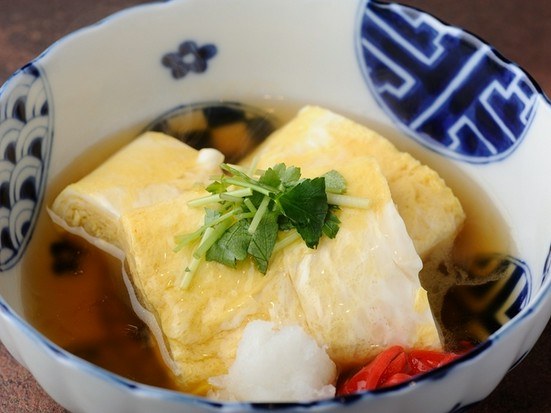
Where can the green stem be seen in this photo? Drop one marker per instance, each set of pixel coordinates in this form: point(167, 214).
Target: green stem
point(210, 199)
point(211, 235)
point(189, 273)
point(265, 190)
point(288, 240)
point(262, 208)
point(348, 201)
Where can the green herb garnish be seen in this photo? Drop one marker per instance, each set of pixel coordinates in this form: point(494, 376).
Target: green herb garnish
point(255, 214)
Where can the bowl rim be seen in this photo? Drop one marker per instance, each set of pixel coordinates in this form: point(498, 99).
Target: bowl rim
point(63, 356)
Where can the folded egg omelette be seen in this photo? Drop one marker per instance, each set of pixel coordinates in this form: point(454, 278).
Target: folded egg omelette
point(356, 294)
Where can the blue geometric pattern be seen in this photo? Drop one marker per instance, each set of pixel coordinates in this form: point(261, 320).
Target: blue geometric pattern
point(25, 142)
point(489, 306)
point(509, 295)
point(449, 90)
point(547, 266)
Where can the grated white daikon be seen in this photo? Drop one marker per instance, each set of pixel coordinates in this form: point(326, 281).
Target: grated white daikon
point(274, 365)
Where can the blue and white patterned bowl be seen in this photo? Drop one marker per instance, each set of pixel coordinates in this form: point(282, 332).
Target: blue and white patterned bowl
point(435, 90)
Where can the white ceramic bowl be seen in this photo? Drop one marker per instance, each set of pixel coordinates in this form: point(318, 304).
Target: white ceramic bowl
point(436, 91)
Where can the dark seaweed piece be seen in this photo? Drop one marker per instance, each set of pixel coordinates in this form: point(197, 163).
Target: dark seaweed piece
point(66, 257)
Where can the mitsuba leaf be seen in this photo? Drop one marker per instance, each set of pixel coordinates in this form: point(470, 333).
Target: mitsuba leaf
point(290, 175)
point(216, 187)
point(331, 224)
point(263, 241)
point(278, 200)
point(271, 177)
point(281, 176)
point(306, 206)
point(232, 246)
point(210, 215)
point(334, 182)
point(285, 223)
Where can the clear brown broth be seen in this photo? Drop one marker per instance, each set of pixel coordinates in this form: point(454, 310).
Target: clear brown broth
point(86, 310)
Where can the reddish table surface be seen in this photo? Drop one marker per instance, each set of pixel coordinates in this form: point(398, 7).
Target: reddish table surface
point(520, 30)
